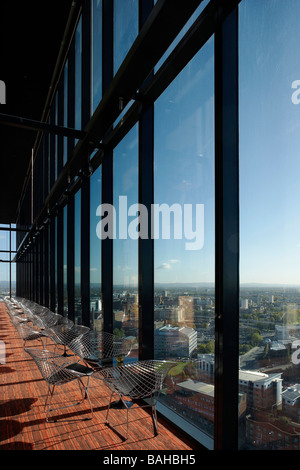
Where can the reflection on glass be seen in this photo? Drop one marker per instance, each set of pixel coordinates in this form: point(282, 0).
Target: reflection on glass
point(184, 240)
point(95, 252)
point(126, 16)
point(96, 53)
point(77, 258)
point(125, 248)
point(269, 226)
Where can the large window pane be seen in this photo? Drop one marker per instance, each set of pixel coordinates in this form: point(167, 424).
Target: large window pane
point(184, 243)
point(65, 263)
point(78, 74)
point(95, 253)
point(96, 53)
point(7, 269)
point(77, 258)
point(126, 14)
point(65, 156)
point(125, 248)
point(269, 225)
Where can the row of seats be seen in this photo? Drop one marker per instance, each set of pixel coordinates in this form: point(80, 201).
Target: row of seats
point(86, 353)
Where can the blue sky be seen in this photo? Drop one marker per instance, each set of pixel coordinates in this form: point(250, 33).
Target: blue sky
point(184, 153)
point(269, 142)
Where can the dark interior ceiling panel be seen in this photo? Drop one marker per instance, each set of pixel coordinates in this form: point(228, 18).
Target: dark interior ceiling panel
point(31, 34)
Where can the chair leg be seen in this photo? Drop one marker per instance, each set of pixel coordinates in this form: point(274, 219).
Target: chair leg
point(51, 393)
point(49, 396)
point(112, 427)
point(85, 390)
point(154, 416)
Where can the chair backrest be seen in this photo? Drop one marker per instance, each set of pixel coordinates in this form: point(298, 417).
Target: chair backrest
point(47, 318)
point(65, 332)
point(52, 366)
point(138, 379)
point(99, 346)
point(26, 331)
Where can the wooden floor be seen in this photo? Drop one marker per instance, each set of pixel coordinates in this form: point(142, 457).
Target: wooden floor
point(22, 417)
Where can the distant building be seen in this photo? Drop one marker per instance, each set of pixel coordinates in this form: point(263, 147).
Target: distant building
point(289, 332)
point(174, 341)
point(264, 391)
point(197, 398)
point(291, 402)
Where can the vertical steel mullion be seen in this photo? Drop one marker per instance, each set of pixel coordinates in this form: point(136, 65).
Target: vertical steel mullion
point(46, 266)
point(41, 267)
point(52, 265)
point(85, 190)
point(60, 122)
point(10, 260)
point(59, 261)
point(71, 95)
point(107, 170)
point(227, 233)
point(146, 246)
point(52, 151)
point(36, 269)
point(71, 206)
point(70, 258)
point(146, 197)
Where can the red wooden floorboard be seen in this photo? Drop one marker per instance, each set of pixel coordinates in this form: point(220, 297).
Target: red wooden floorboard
point(22, 418)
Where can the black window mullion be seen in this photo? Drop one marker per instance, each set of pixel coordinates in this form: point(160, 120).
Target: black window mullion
point(146, 197)
point(59, 261)
point(85, 191)
point(107, 170)
point(227, 233)
point(70, 258)
point(52, 265)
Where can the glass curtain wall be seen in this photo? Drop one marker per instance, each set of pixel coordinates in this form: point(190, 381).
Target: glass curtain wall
point(184, 238)
point(78, 73)
point(96, 318)
point(7, 269)
point(126, 21)
point(125, 246)
point(77, 258)
point(65, 97)
point(96, 53)
point(269, 225)
point(65, 261)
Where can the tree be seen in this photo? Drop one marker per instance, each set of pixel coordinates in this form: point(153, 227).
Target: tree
point(256, 339)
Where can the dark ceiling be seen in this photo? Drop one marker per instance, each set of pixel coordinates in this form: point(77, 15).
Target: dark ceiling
point(31, 33)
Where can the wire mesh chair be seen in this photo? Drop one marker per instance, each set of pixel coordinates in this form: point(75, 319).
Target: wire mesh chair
point(15, 311)
point(136, 381)
point(98, 348)
point(47, 319)
point(57, 370)
point(65, 333)
point(28, 333)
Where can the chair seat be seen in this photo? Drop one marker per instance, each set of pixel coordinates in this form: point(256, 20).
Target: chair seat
point(80, 369)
